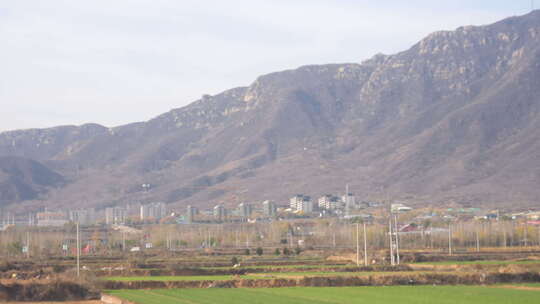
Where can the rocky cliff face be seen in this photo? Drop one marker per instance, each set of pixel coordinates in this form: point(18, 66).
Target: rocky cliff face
point(454, 118)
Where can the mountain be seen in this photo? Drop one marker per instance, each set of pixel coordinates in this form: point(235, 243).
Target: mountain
point(453, 119)
point(24, 179)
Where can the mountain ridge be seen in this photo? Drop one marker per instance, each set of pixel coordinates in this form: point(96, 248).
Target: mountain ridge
point(430, 123)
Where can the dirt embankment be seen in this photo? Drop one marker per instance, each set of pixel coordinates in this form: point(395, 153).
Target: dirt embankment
point(372, 280)
point(46, 291)
point(242, 271)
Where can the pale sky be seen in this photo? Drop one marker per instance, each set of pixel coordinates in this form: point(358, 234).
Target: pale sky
point(115, 61)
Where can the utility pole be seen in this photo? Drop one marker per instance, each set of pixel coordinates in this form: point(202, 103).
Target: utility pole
point(525, 233)
point(391, 242)
point(477, 241)
point(505, 237)
point(357, 244)
point(538, 233)
point(28, 244)
point(347, 203)
point(365, 246)
point(397, 239)
point(78, 252)
point(291, 240)
point(449, 239)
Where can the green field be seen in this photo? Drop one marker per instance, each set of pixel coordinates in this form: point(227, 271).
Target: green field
point(300, 266)
point(487, 262)
point(335, 295)
point(331, 274)
point(180, 278)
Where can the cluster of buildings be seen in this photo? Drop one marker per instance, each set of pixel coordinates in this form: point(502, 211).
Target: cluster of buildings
point(146, 212)
point(90, 216)
point(298, 205)
point(327, 204)
point(242, 212)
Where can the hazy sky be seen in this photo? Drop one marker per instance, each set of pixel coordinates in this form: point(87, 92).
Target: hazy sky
point(116, 61)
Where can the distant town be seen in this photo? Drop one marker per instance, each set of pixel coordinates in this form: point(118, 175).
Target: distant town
point(300, 206)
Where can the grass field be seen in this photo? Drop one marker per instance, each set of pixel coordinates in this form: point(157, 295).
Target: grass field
point(180, 278)
point(330, 274)
point(335, 295)
point(487, 262)
point(300, 266)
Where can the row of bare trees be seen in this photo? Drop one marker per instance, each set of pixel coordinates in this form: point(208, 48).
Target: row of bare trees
point(328, 234)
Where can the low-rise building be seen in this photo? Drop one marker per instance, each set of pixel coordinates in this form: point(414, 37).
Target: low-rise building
point(533, 215)
point(48, 218)
point(399, 208)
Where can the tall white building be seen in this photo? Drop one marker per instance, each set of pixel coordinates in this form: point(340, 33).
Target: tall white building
point(83, 217)
point(153, 211)
point(329, 202)
point(349, 201)
point(244, 210)
point(190, 214)
point(301, 203)
point(115, 215)
point(269, 208)
point(220, 212)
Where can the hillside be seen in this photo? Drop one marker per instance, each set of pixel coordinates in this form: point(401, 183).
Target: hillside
point(453, 119)
point(24, 179)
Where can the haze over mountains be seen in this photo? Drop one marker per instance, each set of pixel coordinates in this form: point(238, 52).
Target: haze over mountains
point(454, 119)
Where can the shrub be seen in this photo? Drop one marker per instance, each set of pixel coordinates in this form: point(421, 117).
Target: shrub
point(277, 252)
point(247, 251)
point(58, 268)
point(259, 251)
point(234, 260)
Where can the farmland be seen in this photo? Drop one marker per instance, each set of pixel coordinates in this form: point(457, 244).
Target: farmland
point(488, 262)
point(377, 295)
point(180, 278)
point(237, 275)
